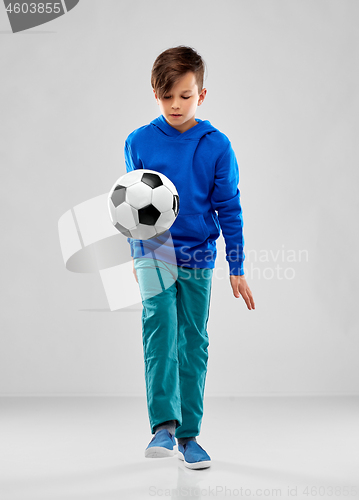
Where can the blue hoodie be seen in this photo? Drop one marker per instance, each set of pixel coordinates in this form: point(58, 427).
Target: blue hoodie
point(202, 165)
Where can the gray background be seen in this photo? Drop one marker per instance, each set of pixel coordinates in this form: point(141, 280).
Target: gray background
point(282, 84)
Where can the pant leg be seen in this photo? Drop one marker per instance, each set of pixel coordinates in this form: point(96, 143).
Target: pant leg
point(157, 281)
point(193, 301)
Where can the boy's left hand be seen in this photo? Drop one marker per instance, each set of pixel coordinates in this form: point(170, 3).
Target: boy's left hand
point(240, 287)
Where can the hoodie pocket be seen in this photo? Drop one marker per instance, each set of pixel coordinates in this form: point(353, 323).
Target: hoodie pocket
point(213, 226)
point(190, 229)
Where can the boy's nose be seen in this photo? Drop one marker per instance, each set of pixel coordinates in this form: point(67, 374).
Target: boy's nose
point(175, 105)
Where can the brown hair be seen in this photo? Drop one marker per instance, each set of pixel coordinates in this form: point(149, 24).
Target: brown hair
point(172, 64)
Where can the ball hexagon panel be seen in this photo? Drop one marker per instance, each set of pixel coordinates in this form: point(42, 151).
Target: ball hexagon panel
point(169, 184)
point(127, 216)
point(165, 220)
point(162, 198)
point(131, 178)
point(143, 232)
point(139, 195)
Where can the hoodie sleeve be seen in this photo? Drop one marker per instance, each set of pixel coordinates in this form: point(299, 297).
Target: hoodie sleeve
point(130, 165)
point(226, 201)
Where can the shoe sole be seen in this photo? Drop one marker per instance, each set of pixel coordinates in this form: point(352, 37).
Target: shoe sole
point(204, 464)
point(159, 452)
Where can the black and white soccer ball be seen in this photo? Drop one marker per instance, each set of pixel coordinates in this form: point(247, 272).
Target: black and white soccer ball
point(143, 204)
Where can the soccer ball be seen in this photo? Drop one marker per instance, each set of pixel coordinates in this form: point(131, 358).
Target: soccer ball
point(143, 204)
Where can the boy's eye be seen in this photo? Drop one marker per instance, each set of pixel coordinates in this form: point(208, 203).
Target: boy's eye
point(169, 97)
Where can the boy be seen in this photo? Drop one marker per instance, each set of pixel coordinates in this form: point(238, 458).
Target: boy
point(200, 162)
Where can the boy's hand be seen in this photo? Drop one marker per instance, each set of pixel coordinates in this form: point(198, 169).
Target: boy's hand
point(240, 286)
point(134, 270)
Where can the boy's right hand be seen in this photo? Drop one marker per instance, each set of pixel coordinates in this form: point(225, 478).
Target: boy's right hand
point(133, 269)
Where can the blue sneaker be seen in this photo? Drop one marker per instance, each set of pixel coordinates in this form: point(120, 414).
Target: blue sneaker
point(163, 444)
point(193, 455)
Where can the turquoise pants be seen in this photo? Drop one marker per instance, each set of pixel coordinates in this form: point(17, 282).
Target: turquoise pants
point(175, 340)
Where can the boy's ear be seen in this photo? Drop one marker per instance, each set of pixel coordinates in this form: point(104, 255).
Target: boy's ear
point(156, 97)
point(201, 96)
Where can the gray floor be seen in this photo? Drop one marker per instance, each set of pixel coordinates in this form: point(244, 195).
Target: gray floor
point(93, 448)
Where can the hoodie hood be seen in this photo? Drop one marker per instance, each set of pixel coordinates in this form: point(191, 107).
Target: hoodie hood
point(195, 133)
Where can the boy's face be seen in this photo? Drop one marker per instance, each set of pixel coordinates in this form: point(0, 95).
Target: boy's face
point(179, 106)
